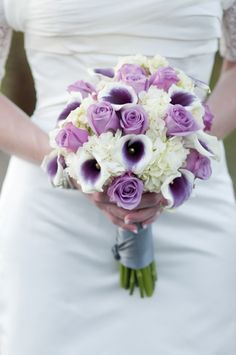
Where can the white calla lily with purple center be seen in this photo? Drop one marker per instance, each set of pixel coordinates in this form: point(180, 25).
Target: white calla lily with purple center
point(100, 73)
point(181, 97)
point(178, 188)
point(204, 143)
point(134, 152)
point(92, 175)
point(118, 95)
point(54, 164)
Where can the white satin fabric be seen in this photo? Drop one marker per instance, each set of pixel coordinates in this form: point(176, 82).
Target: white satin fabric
point(60, 290)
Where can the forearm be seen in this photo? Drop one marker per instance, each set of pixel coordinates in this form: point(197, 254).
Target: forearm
point(19, 136)
point(222, 102)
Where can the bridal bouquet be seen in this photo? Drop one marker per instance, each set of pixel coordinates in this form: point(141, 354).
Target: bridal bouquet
point(140, 128)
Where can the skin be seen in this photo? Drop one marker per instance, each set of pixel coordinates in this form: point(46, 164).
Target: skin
point(20, 137)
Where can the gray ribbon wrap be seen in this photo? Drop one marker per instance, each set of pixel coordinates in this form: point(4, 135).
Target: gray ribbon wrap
point(134, 251)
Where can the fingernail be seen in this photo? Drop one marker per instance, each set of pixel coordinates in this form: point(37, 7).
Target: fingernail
point(135, 230)
point(127, 221)
point(145, 226)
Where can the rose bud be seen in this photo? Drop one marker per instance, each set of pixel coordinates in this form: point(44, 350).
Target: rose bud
point(134, 120)
point(102, 118)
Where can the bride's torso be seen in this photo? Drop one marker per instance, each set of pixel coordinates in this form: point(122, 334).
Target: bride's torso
point(64, 37)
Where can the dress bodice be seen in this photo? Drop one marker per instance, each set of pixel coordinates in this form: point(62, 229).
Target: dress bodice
point(63, 38)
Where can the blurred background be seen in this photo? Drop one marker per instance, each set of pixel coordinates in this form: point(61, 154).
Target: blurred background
point(18, 86)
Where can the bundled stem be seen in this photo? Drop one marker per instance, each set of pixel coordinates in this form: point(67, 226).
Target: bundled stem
point(144, 279)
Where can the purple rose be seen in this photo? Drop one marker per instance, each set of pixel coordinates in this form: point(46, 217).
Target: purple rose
point(127, 69)
point(179, 121)
point(126, 191)
point(83, 87)
point(163, 78)
point(134, 120)
point(71, 137)
point(133, 75)
point(207, 118)
point(199, 165)
point(102, 117)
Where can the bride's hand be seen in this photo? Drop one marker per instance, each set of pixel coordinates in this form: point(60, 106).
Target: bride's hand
point(147, 212)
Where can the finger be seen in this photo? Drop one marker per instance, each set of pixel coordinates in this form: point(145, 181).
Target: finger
point(149, 221)
point(140, 216)
point(113, 209)
point(120, 223)
point(150, 199)
point(100, 197)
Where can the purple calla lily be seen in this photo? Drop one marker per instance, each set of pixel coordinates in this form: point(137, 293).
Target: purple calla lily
point(54, 165)
point(204, 143)
point(134, 152)
point(182, 98)
point(108, 72)
point(177, 189)
point(92, 174)
point(91, 170)
point(67, 110)
point(118, 95)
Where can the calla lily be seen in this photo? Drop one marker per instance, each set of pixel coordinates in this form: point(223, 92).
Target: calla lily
point(178, 188)
point(67, 110)
point(101, 72)
point(181, 97)
point(54, 166)
point(91, 174)
point(204, 143)
point(134, 152)
point(119, 95)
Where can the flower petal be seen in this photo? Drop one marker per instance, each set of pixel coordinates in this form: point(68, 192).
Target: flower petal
point(91, 174)
point(67, 110)
point(54, 165)
point(204, 143)
point(118, 95)
point(182, 98)
point(178, 188)
point(109, 72)
point(134, 152)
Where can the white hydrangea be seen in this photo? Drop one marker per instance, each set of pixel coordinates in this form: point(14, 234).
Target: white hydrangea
point(155, 102)
point(102, 148)
point(167, 160)
point(156, 62)
point(71, 162)
point(79, 116)
point(136, 59)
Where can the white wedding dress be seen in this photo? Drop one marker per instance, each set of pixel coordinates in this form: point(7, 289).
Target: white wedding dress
point(60, 293)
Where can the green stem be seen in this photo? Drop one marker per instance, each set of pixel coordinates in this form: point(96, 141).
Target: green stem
point(140, 282)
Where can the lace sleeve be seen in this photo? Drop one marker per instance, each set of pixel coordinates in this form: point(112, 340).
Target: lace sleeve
point(228, 41)
point(5, 40)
